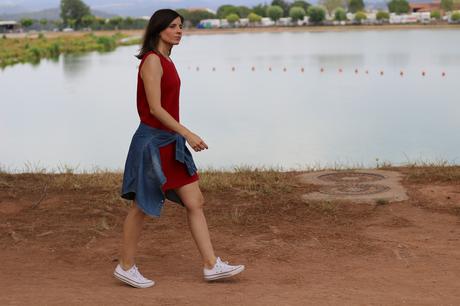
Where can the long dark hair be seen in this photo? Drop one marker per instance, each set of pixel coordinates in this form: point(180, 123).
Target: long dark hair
point(159, 21)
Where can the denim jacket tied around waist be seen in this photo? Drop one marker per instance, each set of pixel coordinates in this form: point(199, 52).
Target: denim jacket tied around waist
point(143, 176)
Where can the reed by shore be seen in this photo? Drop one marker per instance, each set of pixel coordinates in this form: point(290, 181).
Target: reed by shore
point(34, 48)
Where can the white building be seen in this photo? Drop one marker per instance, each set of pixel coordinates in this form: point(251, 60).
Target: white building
point(209, 23)
point(267, 22)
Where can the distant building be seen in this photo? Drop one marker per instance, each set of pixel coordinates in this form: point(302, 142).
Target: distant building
point(427, 6)
point(9, 26)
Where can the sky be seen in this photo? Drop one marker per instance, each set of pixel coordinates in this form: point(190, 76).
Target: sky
point(123, 7)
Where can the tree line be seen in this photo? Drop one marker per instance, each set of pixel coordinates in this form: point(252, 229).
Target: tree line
point(77, 15)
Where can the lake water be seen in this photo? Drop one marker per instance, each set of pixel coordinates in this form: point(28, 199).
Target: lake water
point(80, 110)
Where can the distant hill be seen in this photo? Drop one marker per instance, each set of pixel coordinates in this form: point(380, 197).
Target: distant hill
point(137, 8)
point(50, 14)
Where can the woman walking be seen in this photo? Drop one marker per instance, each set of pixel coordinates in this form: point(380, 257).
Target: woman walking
point(159, 164)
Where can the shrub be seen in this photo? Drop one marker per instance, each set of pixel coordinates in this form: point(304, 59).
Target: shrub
point(253, 17)
point(455, 17)
point(381, 15)
point(274, 12)
point(232, 18)
point(54, 50)
point(296, 13)
point(340, 14)
point(435, 15)
point(360, 16)
point(317, 14)
point(106, 43)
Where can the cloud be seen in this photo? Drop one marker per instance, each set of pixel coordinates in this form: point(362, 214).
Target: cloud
point(113, 5)
point(10, 3)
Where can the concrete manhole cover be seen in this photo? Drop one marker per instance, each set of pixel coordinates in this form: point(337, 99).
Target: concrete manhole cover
point(365, 186)
point(355, 189)
point(351, 177)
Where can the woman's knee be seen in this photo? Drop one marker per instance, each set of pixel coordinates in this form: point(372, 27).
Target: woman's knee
point(197, 203)
point(136, 210)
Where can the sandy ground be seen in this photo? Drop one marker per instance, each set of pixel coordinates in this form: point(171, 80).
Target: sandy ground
point(60, 246)
point(194, 31)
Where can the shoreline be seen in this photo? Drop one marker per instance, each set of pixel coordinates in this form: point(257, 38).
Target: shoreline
point(195, 31)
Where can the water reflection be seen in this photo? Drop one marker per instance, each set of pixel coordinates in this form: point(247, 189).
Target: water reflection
point(398, 59)
point(338, 59)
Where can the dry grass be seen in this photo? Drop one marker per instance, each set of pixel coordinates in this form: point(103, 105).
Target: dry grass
point(431, 173)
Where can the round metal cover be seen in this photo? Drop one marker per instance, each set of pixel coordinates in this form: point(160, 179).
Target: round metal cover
point(354, 189)
point(351, 177)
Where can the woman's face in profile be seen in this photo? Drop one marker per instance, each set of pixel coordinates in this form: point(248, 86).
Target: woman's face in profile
point(173, 33)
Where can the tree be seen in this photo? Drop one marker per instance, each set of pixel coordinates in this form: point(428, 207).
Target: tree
point(58, 23)
point(340, 14)
point(43, 22)
point(355, 5)
point(381, 15)
point(260, 9)
point(196, 16)
point(300, 3)
point(296, 13)
point(455, 17)
point(283, 5)
point(317, 14)
point(254, 18)
point(360, 16)
point(115, 22)
point(447, 5)
point(274, 12)
point(128, 23)
point(26, 22)
point(435, 15)
point(398, 6)
point(232, 18)
point(331, 5)
point(225, 10)
point(243, 11)
point(74, 9)
point(88, 21)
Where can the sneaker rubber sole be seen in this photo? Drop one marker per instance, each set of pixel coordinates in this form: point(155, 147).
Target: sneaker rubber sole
point(131, 282)
point(224, 274)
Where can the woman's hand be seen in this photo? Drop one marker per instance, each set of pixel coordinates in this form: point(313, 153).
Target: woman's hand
point(195, 142)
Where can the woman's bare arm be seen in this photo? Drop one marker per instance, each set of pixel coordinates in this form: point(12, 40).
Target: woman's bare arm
point(151, 73)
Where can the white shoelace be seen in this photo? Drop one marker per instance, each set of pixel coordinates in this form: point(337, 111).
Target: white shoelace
point(138, 274)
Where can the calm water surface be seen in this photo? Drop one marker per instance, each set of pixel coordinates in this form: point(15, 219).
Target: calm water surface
point(81, 110)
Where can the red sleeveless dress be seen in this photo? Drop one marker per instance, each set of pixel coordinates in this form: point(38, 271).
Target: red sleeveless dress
point(175, 171)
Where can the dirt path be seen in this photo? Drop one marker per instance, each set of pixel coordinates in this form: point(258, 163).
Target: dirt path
point(63, 251)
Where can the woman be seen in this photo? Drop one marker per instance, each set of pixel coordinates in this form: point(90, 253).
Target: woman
point(158, 163)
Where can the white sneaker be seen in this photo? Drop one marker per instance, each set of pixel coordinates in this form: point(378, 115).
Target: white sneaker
point(221, 270)
point(132, 277)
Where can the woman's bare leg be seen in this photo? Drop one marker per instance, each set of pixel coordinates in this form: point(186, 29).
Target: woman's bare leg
point(193, 200)
point(131, 232)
